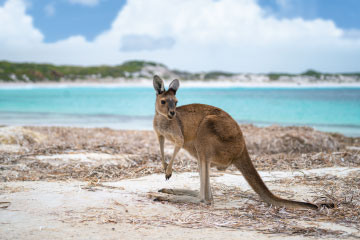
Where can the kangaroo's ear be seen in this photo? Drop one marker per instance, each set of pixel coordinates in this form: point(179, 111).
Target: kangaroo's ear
point(174, 85)
point(158, 84)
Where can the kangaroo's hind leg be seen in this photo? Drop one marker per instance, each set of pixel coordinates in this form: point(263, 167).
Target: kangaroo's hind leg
point(205, 188)
point(189, 196)
point(178, 196)
point(185, 192)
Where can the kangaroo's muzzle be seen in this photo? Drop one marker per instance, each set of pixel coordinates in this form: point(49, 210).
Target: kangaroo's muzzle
point(171, 114)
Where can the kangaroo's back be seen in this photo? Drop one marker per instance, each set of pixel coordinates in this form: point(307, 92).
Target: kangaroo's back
point(191, 116)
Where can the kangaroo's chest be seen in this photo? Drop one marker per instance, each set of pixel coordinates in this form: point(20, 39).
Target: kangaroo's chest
point(169, 129)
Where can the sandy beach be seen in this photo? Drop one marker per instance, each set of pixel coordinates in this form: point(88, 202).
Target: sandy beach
point(99, 183)
point(114, 83)
point(88, 89)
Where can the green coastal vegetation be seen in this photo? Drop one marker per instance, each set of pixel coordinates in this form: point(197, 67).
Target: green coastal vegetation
point(311, 73)
point(35, 72)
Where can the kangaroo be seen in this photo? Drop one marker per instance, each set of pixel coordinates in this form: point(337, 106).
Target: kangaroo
point(211, 136)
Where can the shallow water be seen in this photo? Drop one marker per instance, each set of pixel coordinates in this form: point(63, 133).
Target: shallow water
point(327, 109)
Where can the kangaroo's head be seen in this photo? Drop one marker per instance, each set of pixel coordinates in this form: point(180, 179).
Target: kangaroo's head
point(165, 100)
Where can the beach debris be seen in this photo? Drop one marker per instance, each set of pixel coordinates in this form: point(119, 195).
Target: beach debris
point(20, 136)
point(5, 204)
point(99, 155)
point(107, 154)
point(277, 139)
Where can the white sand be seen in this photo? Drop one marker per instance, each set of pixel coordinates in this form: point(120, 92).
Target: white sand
point(95, 159)
point(68, 210)
point(186, 84)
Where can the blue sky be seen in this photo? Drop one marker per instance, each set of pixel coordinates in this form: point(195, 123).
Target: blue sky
point(230, 35)
point(345, 13)
point(69, 19)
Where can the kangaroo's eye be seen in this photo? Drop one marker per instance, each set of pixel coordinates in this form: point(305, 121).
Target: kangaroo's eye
point(162, 102)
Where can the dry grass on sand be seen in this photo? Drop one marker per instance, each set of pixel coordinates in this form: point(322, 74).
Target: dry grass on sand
point(122, 168)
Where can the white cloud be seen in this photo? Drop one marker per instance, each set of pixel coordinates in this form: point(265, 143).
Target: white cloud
point(145, 42)
point(352, 33)
point(85, 2)
point(233, 35)
point(16, 28)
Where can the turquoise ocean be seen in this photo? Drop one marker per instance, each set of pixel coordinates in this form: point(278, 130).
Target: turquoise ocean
point(326, 109)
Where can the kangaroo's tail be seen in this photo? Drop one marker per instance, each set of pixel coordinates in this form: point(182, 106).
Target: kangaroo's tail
point(245, 165)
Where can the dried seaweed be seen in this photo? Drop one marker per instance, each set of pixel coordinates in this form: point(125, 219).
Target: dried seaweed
point(249, 212)
point(276, 139)
point(271, 148)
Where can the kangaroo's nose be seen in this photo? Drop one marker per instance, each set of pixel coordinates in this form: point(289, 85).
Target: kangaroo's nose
point(172, 113)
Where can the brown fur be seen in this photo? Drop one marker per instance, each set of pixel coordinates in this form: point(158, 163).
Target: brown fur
point(210, 135)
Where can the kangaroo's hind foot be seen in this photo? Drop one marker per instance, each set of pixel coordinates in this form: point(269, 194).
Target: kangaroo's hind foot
point(185, 192)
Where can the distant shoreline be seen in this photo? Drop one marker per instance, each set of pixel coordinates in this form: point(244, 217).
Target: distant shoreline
point(123, 122)
point(185, 83)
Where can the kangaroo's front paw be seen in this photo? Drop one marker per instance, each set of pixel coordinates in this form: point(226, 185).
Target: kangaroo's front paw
point(168, 173)
point(168, 176)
